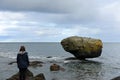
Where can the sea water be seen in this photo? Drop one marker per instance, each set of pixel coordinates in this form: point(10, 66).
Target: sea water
point(105, 67)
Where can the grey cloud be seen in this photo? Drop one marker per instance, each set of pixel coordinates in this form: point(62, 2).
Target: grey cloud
point(53, 6)
point(35, 5)
point(55, 11)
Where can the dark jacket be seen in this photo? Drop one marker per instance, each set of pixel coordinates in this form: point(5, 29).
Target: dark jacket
point(22, 60)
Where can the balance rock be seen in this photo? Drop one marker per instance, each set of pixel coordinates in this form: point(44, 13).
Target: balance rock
point(82, 47)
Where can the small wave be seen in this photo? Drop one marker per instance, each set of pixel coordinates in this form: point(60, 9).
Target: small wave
point(8, 55)
point(13, 55)
point(44, 58)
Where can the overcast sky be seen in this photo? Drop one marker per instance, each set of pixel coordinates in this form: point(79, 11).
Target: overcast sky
point(54, 20)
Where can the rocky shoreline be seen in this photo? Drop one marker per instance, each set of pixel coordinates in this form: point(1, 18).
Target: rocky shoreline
point(34, 64)
point(52, 67)
point(80, 47)
point(29, 76)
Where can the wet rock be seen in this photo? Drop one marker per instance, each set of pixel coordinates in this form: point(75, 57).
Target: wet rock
point(116, 78)
point(49, 57)
point(36, 63)
point(71, 58)
point(29, 75)
point(82, 47)
point(32, 63)
point(54, 67)
point(12, 62)
point(40, 77)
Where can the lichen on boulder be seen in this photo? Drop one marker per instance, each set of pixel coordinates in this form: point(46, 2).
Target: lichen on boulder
point(82, 47)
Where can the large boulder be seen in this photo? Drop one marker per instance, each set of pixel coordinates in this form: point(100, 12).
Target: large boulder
point(82, 47)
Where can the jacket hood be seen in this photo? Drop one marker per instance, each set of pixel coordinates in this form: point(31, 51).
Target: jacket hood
point(22, 52)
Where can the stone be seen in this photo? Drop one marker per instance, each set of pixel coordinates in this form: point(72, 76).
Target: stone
point(71, 58)
point(12, 62)
point(54, 67)
point(116, 78)
point(32, 63)
point(39, 77)
point(36, 63)
point(49, 57)
point(29, 74)
point(82, 47)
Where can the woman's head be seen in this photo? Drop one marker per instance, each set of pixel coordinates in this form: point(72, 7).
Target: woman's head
point(22, 48)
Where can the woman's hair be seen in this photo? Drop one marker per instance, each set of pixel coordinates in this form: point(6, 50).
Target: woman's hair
point(22, 48)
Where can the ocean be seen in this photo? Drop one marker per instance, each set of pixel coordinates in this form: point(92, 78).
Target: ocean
point(105, 67)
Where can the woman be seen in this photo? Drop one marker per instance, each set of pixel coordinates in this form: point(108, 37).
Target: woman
point(22, 62)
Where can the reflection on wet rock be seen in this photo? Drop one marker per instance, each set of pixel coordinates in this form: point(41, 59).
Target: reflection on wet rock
point(83, 70)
